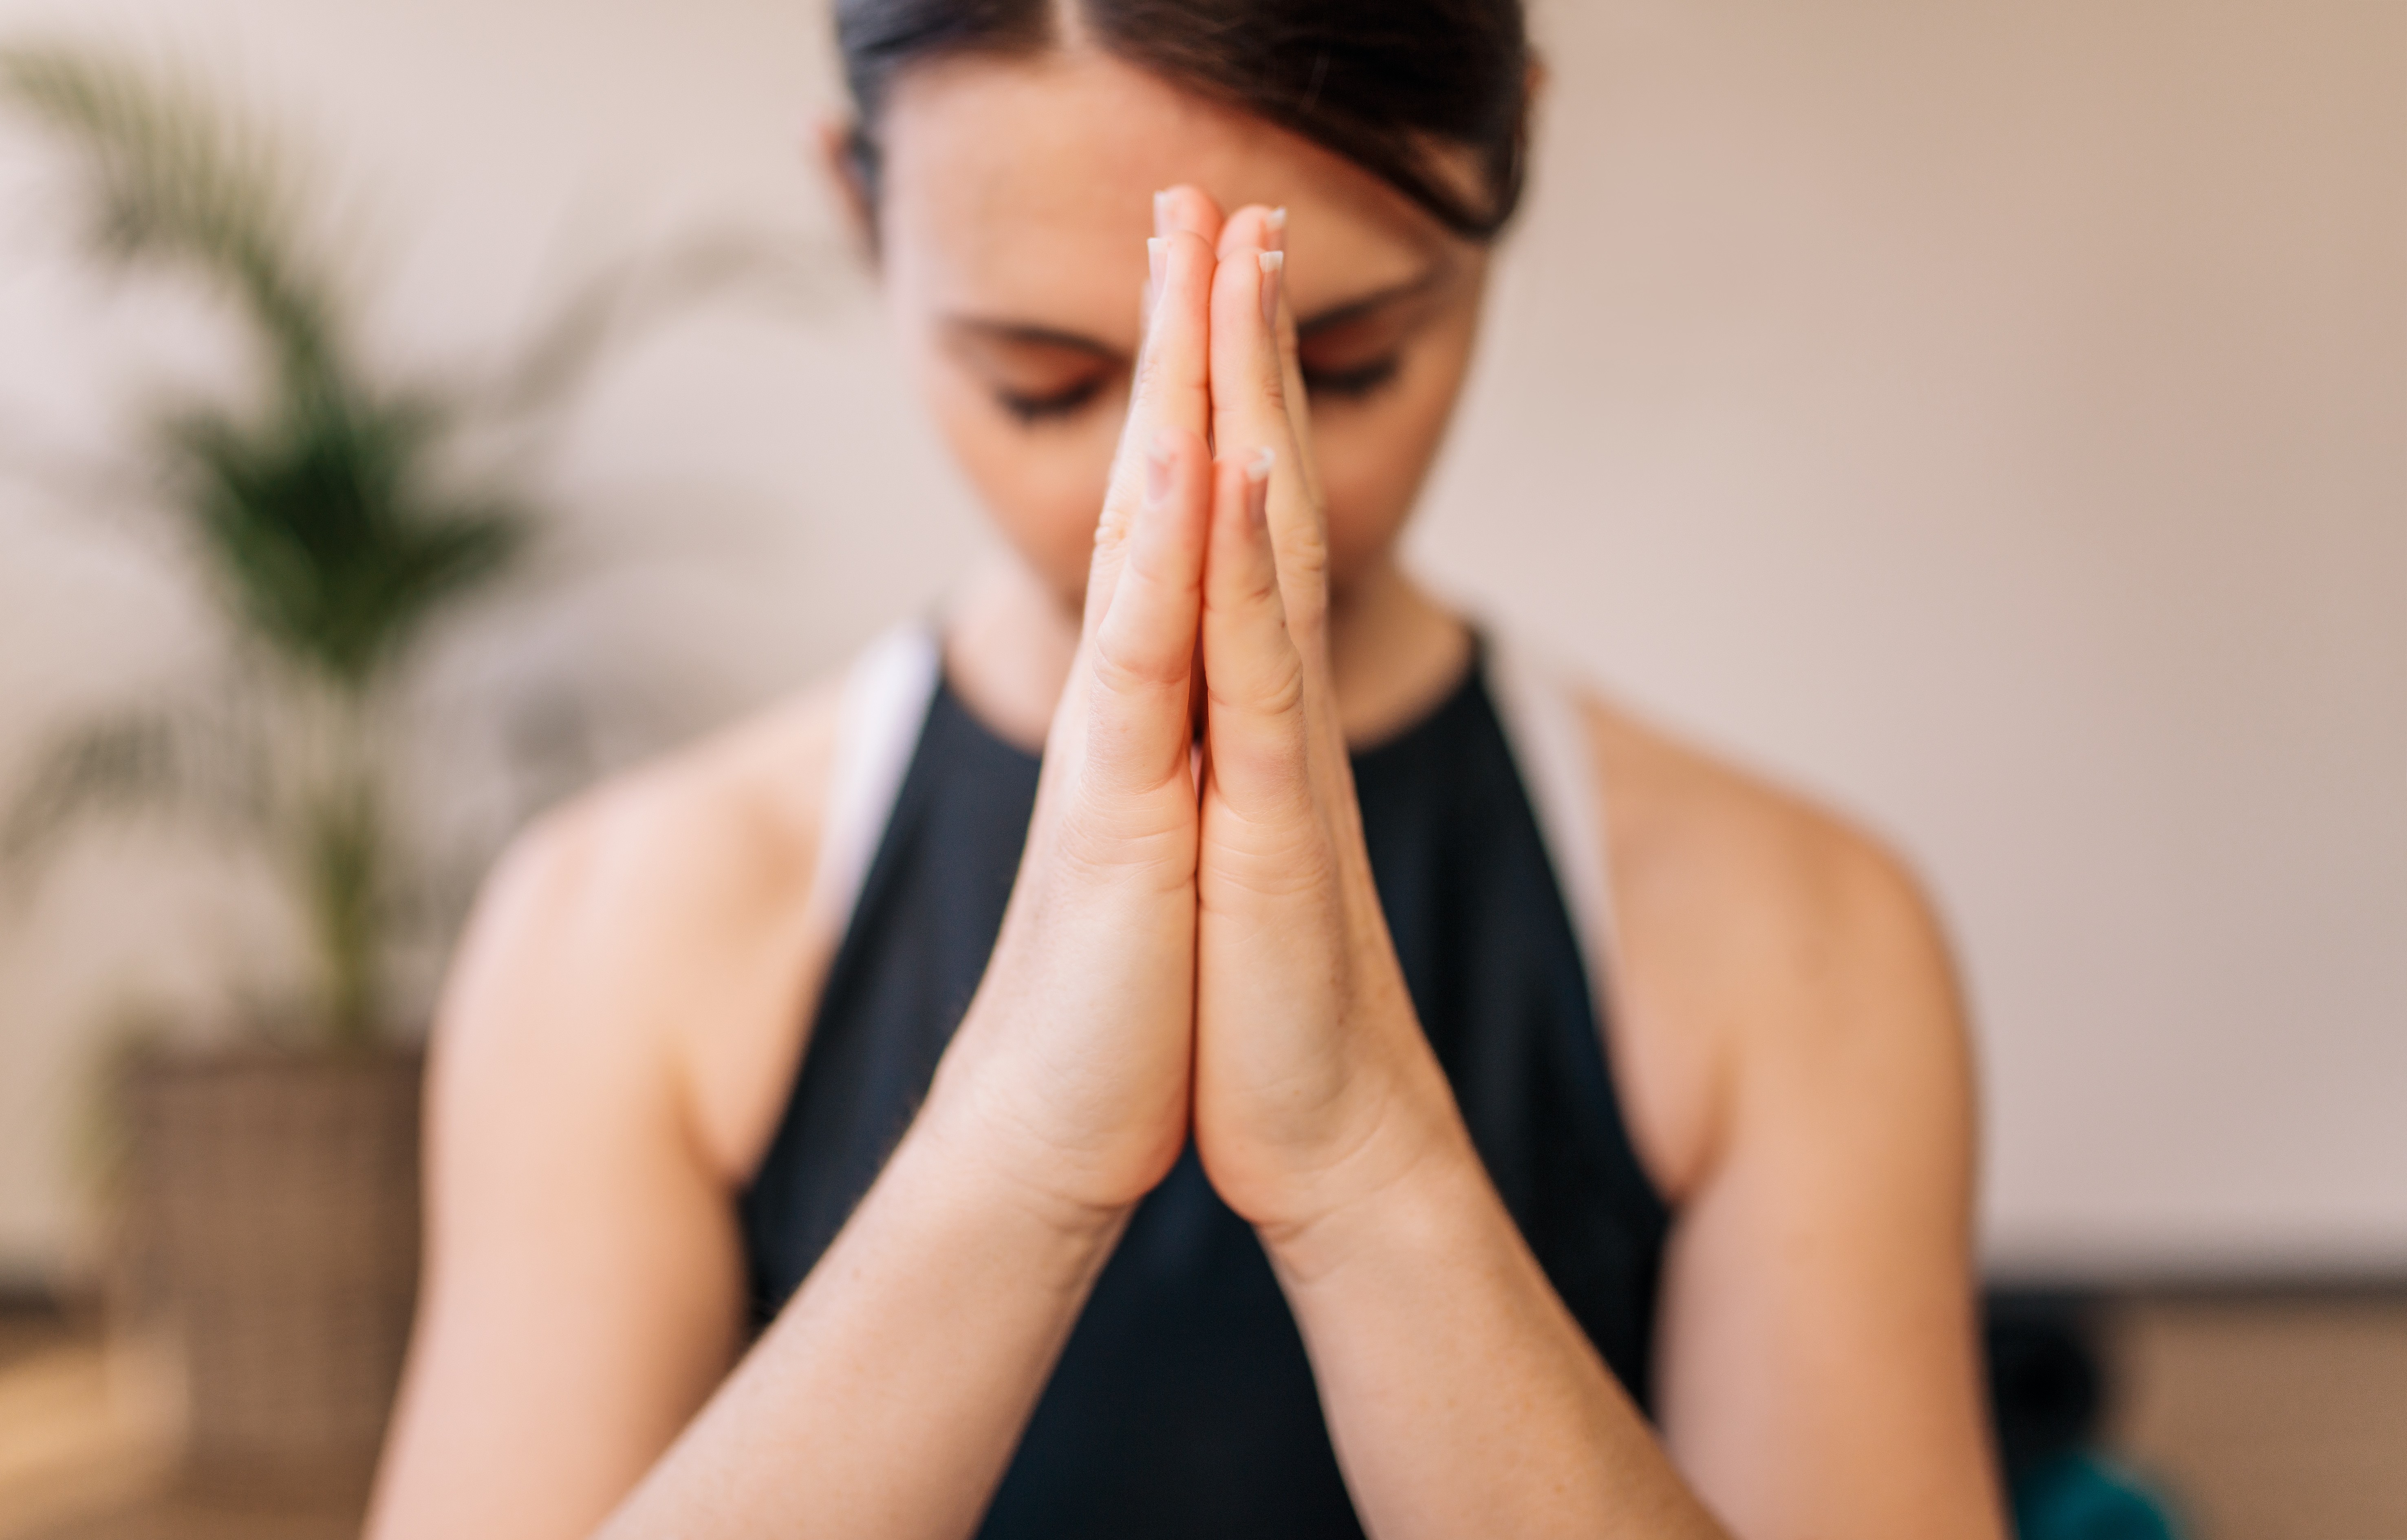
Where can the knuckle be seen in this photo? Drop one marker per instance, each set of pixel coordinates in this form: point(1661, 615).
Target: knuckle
point(1124, 667)
point(1112, 525)
point(1304, 550)
point(1239, 603)
point(1274, 385)
point(1098, 848)
point(1272, 689)
point(1302, 873)
point(1284, 693)
point(1261, 596)
point(1251, 859)
point(1277, 760)
point(1149, 366)
point(1264, 767)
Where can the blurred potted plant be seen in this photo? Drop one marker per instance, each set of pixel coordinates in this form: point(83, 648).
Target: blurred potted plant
point(273, 1197)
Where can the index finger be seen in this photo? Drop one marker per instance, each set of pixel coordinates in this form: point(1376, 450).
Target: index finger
point(1254, 407)
point(1172, 388)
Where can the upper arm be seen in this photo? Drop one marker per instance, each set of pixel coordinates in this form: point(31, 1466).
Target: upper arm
point(1816, 1370)
point(582, 1286)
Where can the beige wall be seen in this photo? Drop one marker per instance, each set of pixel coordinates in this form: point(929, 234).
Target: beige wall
point(1993, 418)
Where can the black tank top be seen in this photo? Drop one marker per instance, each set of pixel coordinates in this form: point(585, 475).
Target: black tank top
point(1183, 1404)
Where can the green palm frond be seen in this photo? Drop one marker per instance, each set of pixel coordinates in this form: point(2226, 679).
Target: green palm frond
point(324, 511)
point(198, 761)
point(172, 179)
point(324, 534)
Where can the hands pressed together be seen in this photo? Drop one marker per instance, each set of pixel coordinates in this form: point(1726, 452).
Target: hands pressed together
point(1194, 941)
point(1194, 946)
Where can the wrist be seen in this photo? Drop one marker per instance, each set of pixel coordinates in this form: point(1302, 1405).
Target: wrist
point(1427, 1195)
point(960, 1142)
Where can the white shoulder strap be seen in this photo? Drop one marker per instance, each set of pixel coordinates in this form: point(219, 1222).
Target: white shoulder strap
point(886, 696)
point(1540, 709)
point(890, 685)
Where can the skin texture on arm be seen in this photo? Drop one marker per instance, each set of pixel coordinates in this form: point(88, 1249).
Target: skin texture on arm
point(1461, 1396)
point(887, 1396)
point(1815, 1368)
point(586, 1294)
point(583, 1289)
point(1794, 1026)
point(1817, 1342)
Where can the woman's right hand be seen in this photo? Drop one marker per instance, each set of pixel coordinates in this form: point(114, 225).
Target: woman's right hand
point(1069, 1074)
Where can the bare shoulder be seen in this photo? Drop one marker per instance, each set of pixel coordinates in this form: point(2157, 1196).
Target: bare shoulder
point(1801, 1086)
point(718, 821)
point(1751, 875)
point(654, 930)
point(618, 1013)
point(1764, 937)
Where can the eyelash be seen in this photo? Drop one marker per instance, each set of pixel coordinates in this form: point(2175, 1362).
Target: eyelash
point(1353, 384)
point(1363, 379)
point(1033, 409)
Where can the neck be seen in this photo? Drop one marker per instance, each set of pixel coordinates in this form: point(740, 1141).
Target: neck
point(1393, 651)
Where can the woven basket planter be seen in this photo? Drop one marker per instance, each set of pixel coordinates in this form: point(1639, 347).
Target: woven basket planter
point(275, 1235)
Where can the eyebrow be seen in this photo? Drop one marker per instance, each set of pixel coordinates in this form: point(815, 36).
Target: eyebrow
point(1029, 334)
point(1355, 309)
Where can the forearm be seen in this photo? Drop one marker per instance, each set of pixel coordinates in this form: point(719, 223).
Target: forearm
point(1460, 1394)
point(887, 1396)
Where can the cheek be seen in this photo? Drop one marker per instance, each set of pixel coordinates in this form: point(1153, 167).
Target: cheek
point(1374, 456)
point(1042, 485)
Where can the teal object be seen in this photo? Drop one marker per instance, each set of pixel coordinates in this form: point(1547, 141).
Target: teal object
point(2080, 1497)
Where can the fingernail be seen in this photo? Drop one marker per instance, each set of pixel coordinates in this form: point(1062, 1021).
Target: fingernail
point(1156, 264)
point(1258, 484)
point(1275, 222)
point(1274, 266)
point(1161, 213)
point(1156, 466)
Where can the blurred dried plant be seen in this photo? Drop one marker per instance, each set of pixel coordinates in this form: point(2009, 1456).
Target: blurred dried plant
point(325, 516)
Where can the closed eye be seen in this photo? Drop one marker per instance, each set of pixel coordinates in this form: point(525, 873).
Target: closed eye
point(1051, 405)
point(1355, 381)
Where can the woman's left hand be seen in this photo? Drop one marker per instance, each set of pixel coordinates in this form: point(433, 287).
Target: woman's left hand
point(1314, 1085)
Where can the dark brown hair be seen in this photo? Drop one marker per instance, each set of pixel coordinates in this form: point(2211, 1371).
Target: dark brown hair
point(1385, 83)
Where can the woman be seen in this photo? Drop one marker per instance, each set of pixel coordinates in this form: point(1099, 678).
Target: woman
point(1529, 1126)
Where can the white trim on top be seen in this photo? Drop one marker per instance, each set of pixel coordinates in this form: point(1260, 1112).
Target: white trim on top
point(892, 682)
point(886, 696)
point(1546, 728)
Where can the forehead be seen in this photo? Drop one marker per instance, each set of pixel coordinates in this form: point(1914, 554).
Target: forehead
point(1022, 189)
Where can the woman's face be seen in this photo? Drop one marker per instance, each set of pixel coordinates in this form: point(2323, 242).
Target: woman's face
point(1017, 198)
